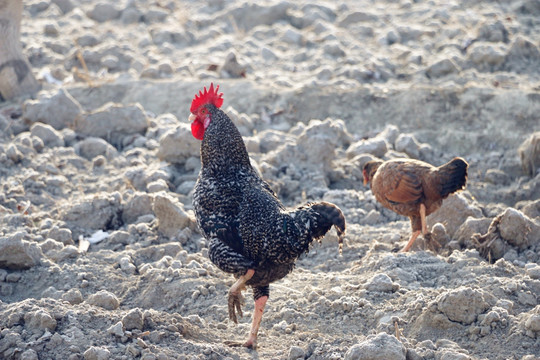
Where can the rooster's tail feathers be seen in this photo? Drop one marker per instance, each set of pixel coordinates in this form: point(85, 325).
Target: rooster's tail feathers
point(453, 176)
point(329, 215)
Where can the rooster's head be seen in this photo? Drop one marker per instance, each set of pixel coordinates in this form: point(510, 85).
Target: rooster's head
point(200, 113)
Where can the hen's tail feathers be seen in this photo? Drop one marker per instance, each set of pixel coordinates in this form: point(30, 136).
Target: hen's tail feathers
point(453, 176)
point(329, 215)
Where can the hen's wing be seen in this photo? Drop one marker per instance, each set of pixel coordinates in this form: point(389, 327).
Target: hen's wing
point(406, 188)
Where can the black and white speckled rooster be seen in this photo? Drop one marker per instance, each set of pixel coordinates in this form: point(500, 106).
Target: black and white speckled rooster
point(250, 233)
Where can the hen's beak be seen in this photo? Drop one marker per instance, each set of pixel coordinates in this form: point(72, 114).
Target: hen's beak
point(192, 117)
point(365, 181)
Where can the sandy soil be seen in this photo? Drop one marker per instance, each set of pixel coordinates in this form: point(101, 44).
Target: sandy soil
point(100, 256)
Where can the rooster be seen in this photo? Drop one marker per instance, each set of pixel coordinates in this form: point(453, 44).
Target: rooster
point(250, 233)
point(414, 188)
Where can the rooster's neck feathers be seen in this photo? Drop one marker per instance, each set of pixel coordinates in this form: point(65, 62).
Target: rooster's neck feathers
point(223, 148)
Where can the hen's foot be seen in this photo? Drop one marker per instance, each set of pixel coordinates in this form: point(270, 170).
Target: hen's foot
point(250, 344)
point(236, 300)
point(431, 243)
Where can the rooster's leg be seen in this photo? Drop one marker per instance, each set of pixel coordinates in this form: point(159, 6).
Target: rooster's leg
point(236, 299)
point(257, 317)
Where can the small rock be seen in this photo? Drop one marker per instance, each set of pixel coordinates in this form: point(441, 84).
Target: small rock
point(131, 15)
point(150, 72)
point(104, 299)
point(533, 270)
point(155, 15)
point(97, 353)
point(470, 227)
point(407, 143)
point(16, 253)
point(178, 144)
point(73, 296)
point(50, 245)
point(116, 329)
point(94, 212)
point(438, 232)
point(134, 319)
point(127, 266)
point(40, 319)
point(529, 153)
point(497, 177)
point(29, 354)
point(51, 30)
point(47, 134)
point(62, 235)
point(442, 68)
point(517, 229)
point(232, 68)
point(493, 32)
point(112, 122)
point(523, 55)
point(377, 347)
point(376, 146)
point(335, 50)
point(296, 353)
point(171, 216)
point(381, 283)
point(533, 323)
point(292, 36)
point(157, 186)
point(87, 40)
point(138, 205)
point(486, 57)
point(14, 154)
point(372, 217)
point(103, 11)
point(462, 304)
point(93, 147)
point(354, 18)
point(64, 5)
point(453, 213)
point(59, 111)
point(268, 54)
point(111, 62)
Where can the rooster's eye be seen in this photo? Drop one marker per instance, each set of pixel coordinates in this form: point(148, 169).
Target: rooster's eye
point(203, 111)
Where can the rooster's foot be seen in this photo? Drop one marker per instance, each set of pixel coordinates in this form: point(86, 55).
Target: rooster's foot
point(236, 300)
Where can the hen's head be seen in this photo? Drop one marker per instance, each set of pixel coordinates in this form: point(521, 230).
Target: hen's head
point(200, 114)
point(369, 170)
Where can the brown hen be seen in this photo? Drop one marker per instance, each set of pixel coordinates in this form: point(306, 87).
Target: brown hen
point(414, 188)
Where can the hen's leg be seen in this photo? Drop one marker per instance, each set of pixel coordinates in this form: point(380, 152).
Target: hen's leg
point(411, 241)
point(423, 218)
point(418, 225)
point(236, 300)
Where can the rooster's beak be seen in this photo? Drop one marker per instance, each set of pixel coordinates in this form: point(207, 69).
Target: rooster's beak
point(365, 181)
point(192, 117)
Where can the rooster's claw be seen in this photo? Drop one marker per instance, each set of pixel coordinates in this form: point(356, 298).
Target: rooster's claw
point(236, 300)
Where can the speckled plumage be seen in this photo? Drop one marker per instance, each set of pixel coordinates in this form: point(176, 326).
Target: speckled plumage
point(244, 222)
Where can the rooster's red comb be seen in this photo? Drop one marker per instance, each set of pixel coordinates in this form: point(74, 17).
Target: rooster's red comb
point(209, 96)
